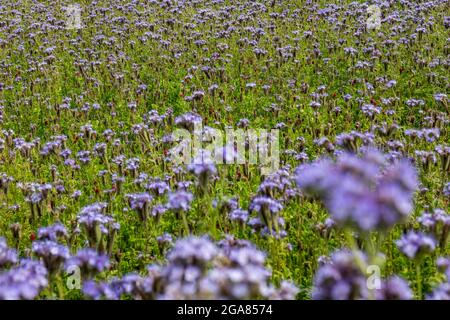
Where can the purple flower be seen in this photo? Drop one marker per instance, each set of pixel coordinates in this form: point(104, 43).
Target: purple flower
point(84, 156)
point(188, 120)
point(5, 180)
point(270, 187)
point(442, 292)
point(140, 202)
point(436, 223)
point(391, 83)
point(93, 215)
point(245, 277)
point(132, 165)
point(243, 123)
point(164, 241)
point(443, 265)
point(203, 168)
point(444, 155)
point(314, 178)
point(427, 134)
point(180, 200)
point(157, 187)
point(100, 228)
point(7, 256)
point(363, 192)
point(139, 288)
point(52, 232)
point(52, 254)
point(157, 211)
point(370, 110)
point(192, 251)
point(235, 269)
point(348, 141)
point(76, 194)
point(446, 190)
point(395, 288)
point(101, 290)
point(89, 261)
point(441, 97)
point(341, 278)
point(415, 102)
point(23, 282)
point(287, 291)
point(264, 203)
point(239, 215)
point(226, 205)
point(268, 209)
point(416, 245)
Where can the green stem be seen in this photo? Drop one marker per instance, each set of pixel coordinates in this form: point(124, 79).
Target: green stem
point(59, 284)
point(185, 222)
point(419, 281)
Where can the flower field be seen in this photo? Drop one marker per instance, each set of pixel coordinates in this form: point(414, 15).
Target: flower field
point(225, 149)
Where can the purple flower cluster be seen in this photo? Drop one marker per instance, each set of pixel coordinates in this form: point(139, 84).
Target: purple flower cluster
point(100, 229)
point(23, 282)
point(180, 201)
point(267, 210)
point(200, 269)
point(164, 241)
point(157, 187)
point(362, 191)
point(442, 291)
point(436, 223)
point(53, 255)
point(89, 261)
point(239, 215)
point(415, 245)
point(8, 256)
point(53, 232)
point(394, 288)
point(446, 190)
point(111, 135)
point(341, 278)
point(140, 202)
point(188, 120)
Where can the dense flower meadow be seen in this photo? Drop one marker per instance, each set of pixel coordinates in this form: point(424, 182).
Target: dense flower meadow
point(93, 205)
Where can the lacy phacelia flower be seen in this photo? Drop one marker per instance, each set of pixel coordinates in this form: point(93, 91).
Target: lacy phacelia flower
point(244, 277)
point(341, 278)
point(199, 269)
point(157, 187)
point(443, 265)
point(442, 292)
point(188, 120)
point(89, 261)
point(394, 288)
point(140, 202)
point(53, 232)
point(239, 215)
point(416, 245)
point(53, 255)
point(164, 241)
point(23, 282)
point(180, 201)
point(101, 290)
point(8, 256)
point(436, 223)
point(192, 251)
point(100, 228)
point(363, 192)
point(268, 209)
point(203, 168)
point(446, 190)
